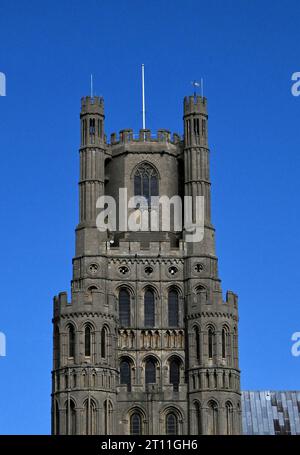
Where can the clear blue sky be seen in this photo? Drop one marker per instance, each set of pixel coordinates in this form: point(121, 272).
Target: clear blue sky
point(246, 52)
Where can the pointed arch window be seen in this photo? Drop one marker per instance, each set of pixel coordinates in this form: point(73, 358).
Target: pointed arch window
point(235, 347)
point(90, 416)
point(196, 127)
point(175, 373)
point(225, 343)
point(150, 371)
point(125, 372)
point(104, 341)
point(171, 424)
point(229, 418)
point(87, 341)
point(135, 424)
point(173, 308)
point(71, 341)
point(57, 426)
point(149, 308)
point(84, 131)
point(124, 307)
point(70, 418)
point(108, 415)
point(213, 418)
point(92, 130)
point(146, 181)
point(198, 417)
point(211, 342)
point(197, 343)
point(188, 131)
point(56, 347)
point(203, 127)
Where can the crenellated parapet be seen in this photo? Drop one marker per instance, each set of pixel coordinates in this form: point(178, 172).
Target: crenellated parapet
point(195, 105)
point(137, 248)
point(144, 135)
point(60, 302)
point(232, 299)
point(92, 105)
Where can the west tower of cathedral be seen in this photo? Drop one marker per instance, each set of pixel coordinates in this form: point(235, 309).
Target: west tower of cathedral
point(145, 344)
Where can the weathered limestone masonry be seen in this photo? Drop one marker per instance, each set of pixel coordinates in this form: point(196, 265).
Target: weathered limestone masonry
point(146, 344)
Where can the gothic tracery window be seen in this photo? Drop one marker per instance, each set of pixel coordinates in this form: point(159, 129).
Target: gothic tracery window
point(146, 181)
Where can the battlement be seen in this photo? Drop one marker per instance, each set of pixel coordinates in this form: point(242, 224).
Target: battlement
point(92, 105)
point(152, 249)
point(60, 301)
point(232, 299)
point(144, 135)
point(195, 105)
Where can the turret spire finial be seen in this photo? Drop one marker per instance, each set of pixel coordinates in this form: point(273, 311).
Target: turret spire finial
point(92, 94)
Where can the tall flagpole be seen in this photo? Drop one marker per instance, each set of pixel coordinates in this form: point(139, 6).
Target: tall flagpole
point(92, 95)
point(143, 95)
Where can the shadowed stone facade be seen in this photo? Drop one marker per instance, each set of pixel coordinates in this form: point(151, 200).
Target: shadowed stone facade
point(146, 344)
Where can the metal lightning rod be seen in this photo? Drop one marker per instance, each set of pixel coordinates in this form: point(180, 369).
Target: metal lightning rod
point(143, 96)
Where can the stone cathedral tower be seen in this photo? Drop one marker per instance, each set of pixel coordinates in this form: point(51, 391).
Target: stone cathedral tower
point(146, 344)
